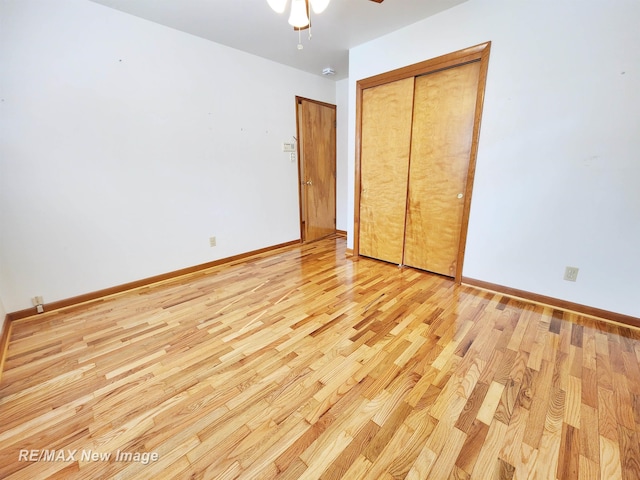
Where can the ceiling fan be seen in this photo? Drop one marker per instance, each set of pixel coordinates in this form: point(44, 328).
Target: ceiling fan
point(300, 10)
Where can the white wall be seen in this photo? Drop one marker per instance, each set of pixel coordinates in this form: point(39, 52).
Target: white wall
point(342, 154)
point(125, 145)
point(558, 170)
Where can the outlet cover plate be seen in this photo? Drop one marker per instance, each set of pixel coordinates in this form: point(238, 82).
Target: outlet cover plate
point(571, 274)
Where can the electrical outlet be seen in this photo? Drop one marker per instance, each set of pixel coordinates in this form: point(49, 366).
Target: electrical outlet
point(571, 274)
point(212, 241)
point(38, 302)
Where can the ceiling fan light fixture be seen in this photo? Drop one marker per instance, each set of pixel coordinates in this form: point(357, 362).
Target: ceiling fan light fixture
point(319, 6)
point(277, 6)
point(298, 17)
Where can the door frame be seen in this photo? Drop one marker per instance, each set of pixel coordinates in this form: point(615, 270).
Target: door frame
point(299, 153)
point(476, 53)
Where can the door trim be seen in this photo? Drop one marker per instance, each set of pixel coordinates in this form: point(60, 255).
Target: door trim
point(301, 198)
point(476, 53)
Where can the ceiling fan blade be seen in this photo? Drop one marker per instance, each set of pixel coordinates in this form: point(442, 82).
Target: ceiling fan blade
point(377, 1)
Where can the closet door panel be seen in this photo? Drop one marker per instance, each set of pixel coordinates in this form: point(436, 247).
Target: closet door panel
point(384, 167)
point(443, 120)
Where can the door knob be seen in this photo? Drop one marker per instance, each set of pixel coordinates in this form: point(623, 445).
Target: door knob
point(309, 182)
point(460, 195)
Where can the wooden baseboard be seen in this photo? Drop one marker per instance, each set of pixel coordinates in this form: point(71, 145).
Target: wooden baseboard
point(341, 233)
point(554, 302)
point(4, 343)
point(97, 295)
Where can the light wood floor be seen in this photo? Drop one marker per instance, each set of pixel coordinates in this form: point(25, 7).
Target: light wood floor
point(305, 364)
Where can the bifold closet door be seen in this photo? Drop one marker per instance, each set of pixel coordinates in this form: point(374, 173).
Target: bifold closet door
point(386, 140)
point(443, 121)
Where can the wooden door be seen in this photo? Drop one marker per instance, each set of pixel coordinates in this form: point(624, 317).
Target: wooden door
point(317, 167)
point(384, 166)
point(442, 134)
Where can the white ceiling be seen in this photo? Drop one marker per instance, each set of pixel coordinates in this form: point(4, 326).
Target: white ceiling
point(251, 26)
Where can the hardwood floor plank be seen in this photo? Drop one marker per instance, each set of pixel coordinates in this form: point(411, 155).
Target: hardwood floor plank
point(607, 424)
point(470, 450)
point(343, 462)
point(629, 452)
point(589, 434)
point(569, 460)
point(588, 469)
point(490, 403)
point(407, 454)
point(448, 455)
point(488, 463)
point(472, 407)
point(610, 466)
point(573, 401)
point(305, 363)
point(514, 436)
point(551, 440)
point(541, 398)
point(507, 403)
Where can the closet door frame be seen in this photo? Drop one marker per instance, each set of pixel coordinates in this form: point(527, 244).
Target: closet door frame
point(450, 60)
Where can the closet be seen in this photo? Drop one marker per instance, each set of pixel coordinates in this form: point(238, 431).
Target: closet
point(417, 137)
